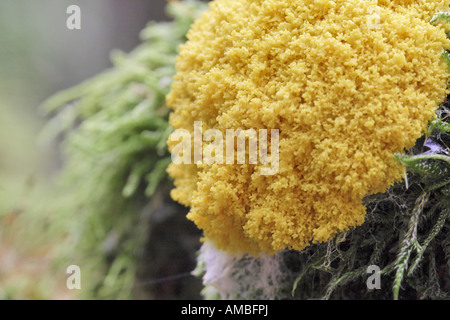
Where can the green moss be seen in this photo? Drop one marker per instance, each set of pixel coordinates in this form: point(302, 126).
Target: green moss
point(114, 130)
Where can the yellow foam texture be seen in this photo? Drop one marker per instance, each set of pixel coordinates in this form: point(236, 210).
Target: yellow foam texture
point(346, 94)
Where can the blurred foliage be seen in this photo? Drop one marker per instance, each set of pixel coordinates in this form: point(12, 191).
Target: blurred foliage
point(114, 130)
point(25, 244)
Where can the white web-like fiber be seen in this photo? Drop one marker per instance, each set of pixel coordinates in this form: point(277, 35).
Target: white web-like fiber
point(246, 277)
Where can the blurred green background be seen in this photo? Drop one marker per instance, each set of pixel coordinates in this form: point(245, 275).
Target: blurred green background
point(40, 56)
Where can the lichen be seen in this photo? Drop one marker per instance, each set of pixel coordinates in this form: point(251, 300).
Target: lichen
point(346, 94)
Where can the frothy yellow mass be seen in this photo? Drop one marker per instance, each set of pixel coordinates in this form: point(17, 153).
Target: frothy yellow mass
point(347, 82)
